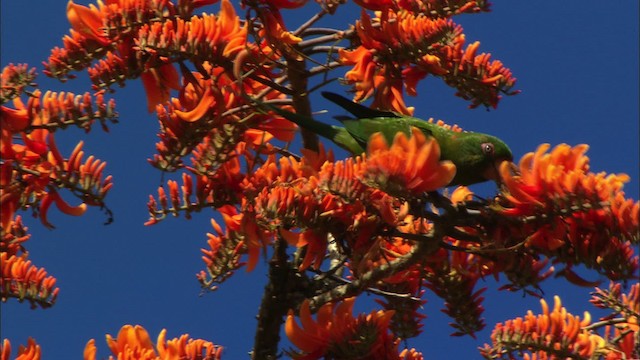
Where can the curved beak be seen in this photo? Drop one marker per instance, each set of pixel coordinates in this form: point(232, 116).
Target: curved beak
point(492, 172)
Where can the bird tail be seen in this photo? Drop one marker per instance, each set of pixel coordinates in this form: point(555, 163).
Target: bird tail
point(318, 127)
point(357, 110)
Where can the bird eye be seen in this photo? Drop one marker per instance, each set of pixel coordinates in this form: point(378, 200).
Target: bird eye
point(487, 148)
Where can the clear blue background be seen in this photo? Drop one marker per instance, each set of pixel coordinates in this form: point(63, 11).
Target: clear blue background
point(576, 62)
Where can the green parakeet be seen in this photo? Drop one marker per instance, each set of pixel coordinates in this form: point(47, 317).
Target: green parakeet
point(475, 155)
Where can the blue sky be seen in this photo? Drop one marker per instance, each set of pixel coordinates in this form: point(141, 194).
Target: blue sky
point(576, 63)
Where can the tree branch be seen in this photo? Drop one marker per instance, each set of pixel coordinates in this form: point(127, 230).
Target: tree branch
point(274, 305)
point(423, 248)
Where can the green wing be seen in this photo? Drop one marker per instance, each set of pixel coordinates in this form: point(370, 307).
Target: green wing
point(368, 121)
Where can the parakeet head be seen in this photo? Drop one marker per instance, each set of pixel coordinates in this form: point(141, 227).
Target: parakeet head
point(476, 156)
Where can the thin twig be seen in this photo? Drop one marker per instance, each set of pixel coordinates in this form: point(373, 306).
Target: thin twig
point(326, 39)
point(329, 49)
point(312, 20)
point(320, 31)
point(421, 250)
point(600, 324)
point(372, 290)
point(323, 68)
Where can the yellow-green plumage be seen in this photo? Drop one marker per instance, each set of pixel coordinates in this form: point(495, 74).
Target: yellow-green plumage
point(475, 154)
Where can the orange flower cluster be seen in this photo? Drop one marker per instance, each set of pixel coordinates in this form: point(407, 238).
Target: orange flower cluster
point(31, 174)
point(305, 201)
point(98, 30)
point(407, 320)
point(107, 34)
point(294, 195)
point(202, 38)
point(223, 255)
point(275, 30)
point(55, 110)
point(29, 352)
point(24, 281)
point(32, 167)
point(207, 116)
point(625, 310)
point(216, 176)
point(33, 171)
point(226, 247)
point(133, 343)
point(555, 334)
point(570, 213)
point(336, 334)
point(76, 53)
point(523, 270)
point(344, 195)
point(399, 48)
point(410, 165)
point(613, 298)
point(14, 79)
point(13, 239)
point(127, 39)
point(452, 276)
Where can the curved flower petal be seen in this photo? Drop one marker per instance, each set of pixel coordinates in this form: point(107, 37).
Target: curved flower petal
point(86, 21)
point(206, 102)
point(14, 119)
point(408, 165)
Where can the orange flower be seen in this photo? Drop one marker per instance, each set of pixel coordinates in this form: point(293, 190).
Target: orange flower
point(389, 96)
point(13, 236)
point(16, 119)
point(586, 214)
point(625, 304)
point(22, 280)
point(53, 197)
point(30, 352)
point(561, 173)
point(316, 159)
point(363, 72)
point(205, 102)
point(392, 45)
point(409, 165)
point(275, 29)
point(336, 334)
point(542, 176)
point(204, 37)
point(56, 110)
point(41, 157)
point(221, 257)
point(87, 21)
point(461, 194)
point(399, 48)
point(281, 129)
point(134, 343)
point(316, 244)
point(555, 333)
point(157, 84)
point(14, 78)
